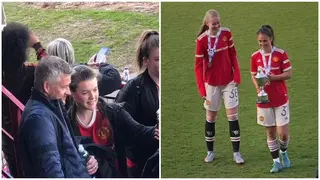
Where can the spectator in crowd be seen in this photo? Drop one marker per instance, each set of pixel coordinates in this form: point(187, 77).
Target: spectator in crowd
point(110, 80)
point(16, 41)
point(108, 125)
point(141, 100)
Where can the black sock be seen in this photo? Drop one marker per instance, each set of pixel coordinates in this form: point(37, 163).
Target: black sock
point(210, 133)
point(283, 145)
point(234, 130)
point(275, 154)
point(273, 147)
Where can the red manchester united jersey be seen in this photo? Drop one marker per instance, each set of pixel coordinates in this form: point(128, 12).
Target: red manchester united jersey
point(224, 67)
point(276, 90)
point(100, 131)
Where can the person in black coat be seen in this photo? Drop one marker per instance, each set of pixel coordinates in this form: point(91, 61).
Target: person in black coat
point(141, 99)
point(108, 125)
point(151, 168)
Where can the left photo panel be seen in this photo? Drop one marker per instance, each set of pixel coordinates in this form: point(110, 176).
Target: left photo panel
point(80, 90)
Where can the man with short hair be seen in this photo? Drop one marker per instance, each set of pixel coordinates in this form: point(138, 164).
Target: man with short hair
point(47, 145)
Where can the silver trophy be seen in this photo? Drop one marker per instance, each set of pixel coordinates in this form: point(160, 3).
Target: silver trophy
point(261, 78)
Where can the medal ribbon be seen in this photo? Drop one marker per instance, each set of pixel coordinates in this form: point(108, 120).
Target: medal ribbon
point(211, 51)
point(267, 67)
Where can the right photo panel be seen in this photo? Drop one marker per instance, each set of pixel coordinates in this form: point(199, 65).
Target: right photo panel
point(239, 94)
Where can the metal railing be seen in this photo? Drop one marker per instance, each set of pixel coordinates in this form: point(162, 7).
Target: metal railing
point(16, 108)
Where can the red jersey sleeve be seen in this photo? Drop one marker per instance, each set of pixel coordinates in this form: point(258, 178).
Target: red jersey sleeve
point(234, 59)
point(285, 63)
point(199, 72)
point(253, 67)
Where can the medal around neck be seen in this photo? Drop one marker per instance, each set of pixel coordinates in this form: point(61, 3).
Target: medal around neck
point(267, 65)
point(212, 50)
point(261, 78)
point(210, 53)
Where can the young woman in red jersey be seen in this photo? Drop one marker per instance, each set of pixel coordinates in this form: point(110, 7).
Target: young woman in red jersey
point(108, 125)
point(218, 76)
point(275, 115)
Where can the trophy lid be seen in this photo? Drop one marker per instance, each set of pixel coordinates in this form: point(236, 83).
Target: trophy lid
point(260, 73)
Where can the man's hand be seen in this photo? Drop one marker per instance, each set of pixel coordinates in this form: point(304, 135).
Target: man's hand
point(156, 134)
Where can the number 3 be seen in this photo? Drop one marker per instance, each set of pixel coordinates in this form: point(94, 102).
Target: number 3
point(284, 112)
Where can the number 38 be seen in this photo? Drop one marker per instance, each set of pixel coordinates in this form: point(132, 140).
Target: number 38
point(234, 93)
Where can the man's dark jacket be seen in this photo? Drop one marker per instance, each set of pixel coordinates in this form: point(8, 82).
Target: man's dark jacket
point(47, 146)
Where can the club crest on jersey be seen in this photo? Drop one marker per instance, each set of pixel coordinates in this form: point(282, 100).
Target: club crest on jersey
point(224, 38)
point(275, 59)
point(104, 133)
point(261, 118)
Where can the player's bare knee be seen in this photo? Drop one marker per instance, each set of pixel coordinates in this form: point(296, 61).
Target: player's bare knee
point(211, 118)
point(232, 114)
point(211, 115)
point(283, 136)
point(271, 134)
point(283, 132)
point(271, 137)
point(232, 117)
point(232, 110)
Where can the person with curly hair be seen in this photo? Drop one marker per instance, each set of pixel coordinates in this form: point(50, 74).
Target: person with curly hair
point(16, 41)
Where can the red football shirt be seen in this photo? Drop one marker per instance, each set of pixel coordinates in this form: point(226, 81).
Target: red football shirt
point(276, 90)
point(224, 68)
point(100, 131)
